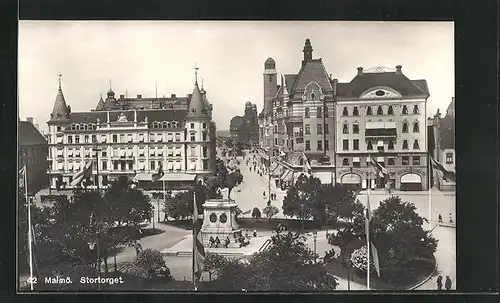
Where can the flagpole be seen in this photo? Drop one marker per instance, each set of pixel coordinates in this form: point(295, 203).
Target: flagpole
point(164, 202)
point(29, 225)
point(368, 236)
point(429, 172)
point(194, 239)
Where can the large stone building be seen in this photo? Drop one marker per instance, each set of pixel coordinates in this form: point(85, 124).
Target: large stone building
point(443, 133)
point(245, 129)
point(132, 137)
point(33, 152)
point(380, 113)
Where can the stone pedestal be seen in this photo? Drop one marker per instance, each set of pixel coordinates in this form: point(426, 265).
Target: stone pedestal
point(219, 220)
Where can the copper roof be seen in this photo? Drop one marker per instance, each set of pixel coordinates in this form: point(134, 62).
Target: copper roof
point(198, 105)
point(60, 111)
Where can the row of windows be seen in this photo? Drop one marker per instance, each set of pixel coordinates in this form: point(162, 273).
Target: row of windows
point(128, 138)
point(81, 126)
point(319, 112)
point(123, 153)
point(319, 129)
point(380, 147)
point(156, 124)
point(405, 160)
point(380, 111)
point(319, 145)
point(355, 127)
point(124, 165)
point(166, 124)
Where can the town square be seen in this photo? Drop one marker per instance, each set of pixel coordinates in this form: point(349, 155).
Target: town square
point(297, 164)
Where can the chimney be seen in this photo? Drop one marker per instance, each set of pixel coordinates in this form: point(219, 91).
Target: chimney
point(29, 119)
point(334, 84)
point(398, 70)
point(360, 71)
point(139, 96)
point(69, 109)
point(122, 96)
point(172, 96)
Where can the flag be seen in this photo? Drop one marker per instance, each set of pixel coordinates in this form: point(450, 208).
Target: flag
point(446, 172)
point(373, 249)
point(378, 169)
point(375, 258)
point(156, 176)
point(86, 172)
point(22, 178)
point(198, 249)
point(307, 166)
point(367, 218)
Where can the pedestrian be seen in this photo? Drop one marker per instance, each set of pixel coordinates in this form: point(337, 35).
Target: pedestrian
point(254, 233)
point(440, 282)
point(447, 284)
point(440, 218)
point(451, 220)
point(217, 242)
point(227, 242)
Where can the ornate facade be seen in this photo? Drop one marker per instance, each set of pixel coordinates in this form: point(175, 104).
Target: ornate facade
point(133, 140)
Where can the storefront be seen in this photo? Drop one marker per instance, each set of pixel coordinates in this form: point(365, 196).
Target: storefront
point(352, 181)
point(411, 182)
point(326, 178)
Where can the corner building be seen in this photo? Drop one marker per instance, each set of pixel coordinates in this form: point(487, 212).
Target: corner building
point(132, 137)
point(382, 113)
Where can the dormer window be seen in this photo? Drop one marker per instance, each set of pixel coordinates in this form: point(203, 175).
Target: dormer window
point(415, 109)
point(415, 145)
point(369, 111)
point(312, 96)
point(405, 110)
point(405, 144)
point(345, 129)
point(416, 127)
point(405, 127)
point(390, 111)
point(355, 111)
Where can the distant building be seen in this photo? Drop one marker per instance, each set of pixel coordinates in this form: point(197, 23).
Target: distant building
point(245, 129)
point(126, 137)
point(443, 132)
point(33, 153)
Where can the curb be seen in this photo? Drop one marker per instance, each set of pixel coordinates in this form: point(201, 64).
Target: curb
point(426, 279)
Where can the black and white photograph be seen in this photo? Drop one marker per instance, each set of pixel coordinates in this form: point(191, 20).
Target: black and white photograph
point(236, 156)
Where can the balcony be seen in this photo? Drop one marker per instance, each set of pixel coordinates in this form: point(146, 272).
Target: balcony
point(380, 130)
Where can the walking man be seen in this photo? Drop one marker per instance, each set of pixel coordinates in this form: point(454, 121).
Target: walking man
point(447, 284)
point(440, 283)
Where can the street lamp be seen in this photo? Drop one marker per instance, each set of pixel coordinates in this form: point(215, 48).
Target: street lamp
point(315, 238)
point(326, 220)
point(97, 150)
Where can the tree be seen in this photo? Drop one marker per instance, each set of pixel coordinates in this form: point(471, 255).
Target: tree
point(358, 260)
point(287, 265)
point(152, 265)
point(305, 199)
point(214, 264)
point(233, 179)
point(256, 213)
point(270, 211)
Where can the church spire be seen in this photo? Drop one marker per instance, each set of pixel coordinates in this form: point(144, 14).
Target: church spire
point(198, 105)
point(60, 112)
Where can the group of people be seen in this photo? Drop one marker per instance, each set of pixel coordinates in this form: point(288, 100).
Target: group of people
point(272, 195)
point(440, 219)
point(447, 283)
point(215, 243)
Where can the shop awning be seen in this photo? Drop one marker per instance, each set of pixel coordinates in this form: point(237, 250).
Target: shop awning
point(380, 143)
point(192, 165)
point(324, 177)
point(380, 159)
point(122, 153)
point(287, 176)
point(411, 178)
point(351, 179)
point(177, 165)
point(77, 166)
point(178, 177)
point(70, 166)
point(170, 165)
point(143, 177)
point(141, 165)
point(273, 166)
point(277, 171)
point(355, 159)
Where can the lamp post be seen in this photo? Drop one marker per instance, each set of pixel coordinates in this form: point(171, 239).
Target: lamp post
point(315, 238)
point(326, 220)
point(348, 264)
point(97, 150)
point(94, 244)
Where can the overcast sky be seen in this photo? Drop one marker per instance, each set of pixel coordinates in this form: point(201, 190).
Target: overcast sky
point(230, 57)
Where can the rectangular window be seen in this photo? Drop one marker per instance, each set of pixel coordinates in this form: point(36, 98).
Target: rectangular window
point(104, 165)
point(416, 160)
point(159, 137)
point(103, 138)
point(129, 137)
point(122, 138)
point(355, 128)
point(345, 144)
point(307, 129)
point(405, 160)
point(77, 139)
point(192, 125)
point(115, 138)
point(326, 145)
point(204, 125)
point(104, 153)
point(204, 135)
point(205, 151)
point(152, 165)
point(306, 113)
point(319, 145)
point(193, 151)
point(94, 139)
point(177, 137)
point(205, 164)
point(391, 161)
point(308, 145)
point(319, 112)
point(326, 112)
point(141, 137)
point(355, 144)
point(192, 138)
point(151, 137)
point(319, 129)
point(115, 165)
point(170, 151)
point(449, 158)
point(86, 139)
point(326, 129)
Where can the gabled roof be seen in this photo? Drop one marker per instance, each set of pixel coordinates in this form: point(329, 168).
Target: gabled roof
point(29, 135)
point(398, 82)
point(60, 111)
point(100, 104)
point(290, 81)
point(312, 70)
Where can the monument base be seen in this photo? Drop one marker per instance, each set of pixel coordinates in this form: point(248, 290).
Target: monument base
point(219, 222)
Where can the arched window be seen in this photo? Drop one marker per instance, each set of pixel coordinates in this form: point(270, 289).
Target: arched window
point(94, 126)
point(380, 111)
point(405, 144)
point(369, 145)
point(369, 111)
point(155, 124)
point(415, 144)
point(345, 128)
point(355, 111)
point(345, 162)
point(77, 126)
point(84, 126)
point(345, 112)
point(415, 109)
point(405, 127)
point(390, 111)
point(165, 125)
point(390, 145)
point(405, 110)
point(416, 128)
